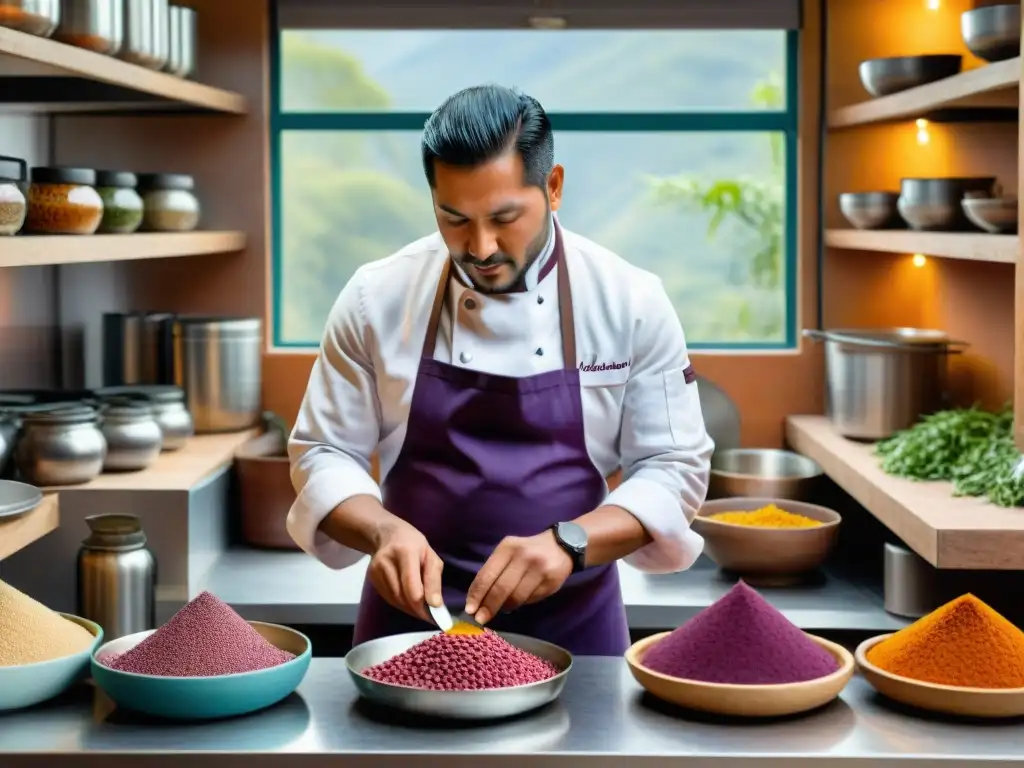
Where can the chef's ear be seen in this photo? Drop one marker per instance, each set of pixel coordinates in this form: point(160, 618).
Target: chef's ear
point(555, 181)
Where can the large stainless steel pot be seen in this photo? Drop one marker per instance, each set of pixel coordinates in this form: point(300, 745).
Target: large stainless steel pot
point(881, 381)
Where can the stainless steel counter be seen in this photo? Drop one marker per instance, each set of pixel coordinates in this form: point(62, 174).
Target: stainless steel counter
point(295, 588)
point(603, 719)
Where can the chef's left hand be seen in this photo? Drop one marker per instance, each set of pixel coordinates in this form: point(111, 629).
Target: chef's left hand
point(519, 571)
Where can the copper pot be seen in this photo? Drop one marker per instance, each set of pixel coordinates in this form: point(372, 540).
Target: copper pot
point(265, 491)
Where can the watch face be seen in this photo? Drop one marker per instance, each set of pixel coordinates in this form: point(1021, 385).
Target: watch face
point(573, 535)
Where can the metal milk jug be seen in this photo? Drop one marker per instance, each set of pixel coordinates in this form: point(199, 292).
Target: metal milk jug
point(117, 576)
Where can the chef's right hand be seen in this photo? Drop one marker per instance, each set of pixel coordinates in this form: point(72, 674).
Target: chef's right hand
point(405, 571)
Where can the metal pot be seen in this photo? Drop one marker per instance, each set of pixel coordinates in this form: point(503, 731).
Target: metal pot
point(36, 17)
point(167, 404)
point(935, 205)
point(63, 446)
point(762, 472)
point(992, 32)
point(146, 33)
point(96, 25)
point(881, 381)
point(132, 434)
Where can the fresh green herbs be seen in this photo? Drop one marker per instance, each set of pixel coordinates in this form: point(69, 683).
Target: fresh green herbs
point(972, 448)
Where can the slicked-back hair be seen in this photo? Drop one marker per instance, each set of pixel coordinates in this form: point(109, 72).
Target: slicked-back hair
point(479, 124)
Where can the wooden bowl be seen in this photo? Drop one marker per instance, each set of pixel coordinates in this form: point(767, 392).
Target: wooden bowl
point(742, 700)
point(944, 699)
point(767, 556)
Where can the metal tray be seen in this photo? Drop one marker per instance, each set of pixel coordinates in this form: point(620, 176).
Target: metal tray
point(17, 499)
point(457, 705)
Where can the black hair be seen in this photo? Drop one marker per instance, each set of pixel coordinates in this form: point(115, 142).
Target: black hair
point(478, 124)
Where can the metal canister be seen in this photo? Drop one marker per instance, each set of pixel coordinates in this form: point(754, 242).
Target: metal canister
point(117, 576)
point(146, 33)
point(182, 58)
point(96, 25)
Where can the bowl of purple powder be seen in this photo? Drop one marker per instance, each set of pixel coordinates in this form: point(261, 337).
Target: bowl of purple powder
point(741, 657)
point(481, 676)
point(205, 663)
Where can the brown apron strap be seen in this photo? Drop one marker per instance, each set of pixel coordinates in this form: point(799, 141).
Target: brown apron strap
point(565, 311)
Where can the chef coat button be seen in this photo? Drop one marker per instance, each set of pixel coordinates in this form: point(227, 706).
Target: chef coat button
point(540, 351)
point(470, 304)
point(540, 299)
point(465, 357)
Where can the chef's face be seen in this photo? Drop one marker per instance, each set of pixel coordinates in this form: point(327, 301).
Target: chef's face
point(494, 225)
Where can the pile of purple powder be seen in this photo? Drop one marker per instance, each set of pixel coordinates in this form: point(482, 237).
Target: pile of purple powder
point(740, 640)
point(203, 639)
point(463, 663)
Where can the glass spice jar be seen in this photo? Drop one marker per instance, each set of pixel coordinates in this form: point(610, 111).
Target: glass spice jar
point(38, 17)
point(122, 204)
point(62, 201)
point(12, 199)
point(169, 205)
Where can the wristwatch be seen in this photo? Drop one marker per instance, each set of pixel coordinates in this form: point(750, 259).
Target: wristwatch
point(573, 539)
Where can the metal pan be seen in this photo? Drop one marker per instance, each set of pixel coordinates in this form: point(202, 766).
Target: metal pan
point(456, 705)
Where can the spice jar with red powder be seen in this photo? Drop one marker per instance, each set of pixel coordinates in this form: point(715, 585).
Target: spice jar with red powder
point(63, 201)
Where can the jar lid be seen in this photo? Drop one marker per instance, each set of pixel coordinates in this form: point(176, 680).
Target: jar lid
point(59, 175)
point(114, 532)
point(125, 407)
point(61, 413)
point(165, 181)
point(155, 393)
point(125, 179)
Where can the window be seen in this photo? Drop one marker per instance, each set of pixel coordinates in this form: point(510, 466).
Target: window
point(679, 147)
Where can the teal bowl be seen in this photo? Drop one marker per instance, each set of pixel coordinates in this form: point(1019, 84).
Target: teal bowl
point(205, 698)
point(30, 684)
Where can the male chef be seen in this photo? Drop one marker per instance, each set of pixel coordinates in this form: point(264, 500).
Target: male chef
point(501, 368)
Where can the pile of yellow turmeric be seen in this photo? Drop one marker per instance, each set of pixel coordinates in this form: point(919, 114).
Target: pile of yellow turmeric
point(766, 517)
point(464, 628)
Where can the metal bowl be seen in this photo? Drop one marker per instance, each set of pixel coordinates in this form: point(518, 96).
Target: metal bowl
point(870, 210)
point(882, 77)
point(996, 215)
point(456, 705)
point(767, 556)
point(992, 33)
point(762, 472)
point(934, 205)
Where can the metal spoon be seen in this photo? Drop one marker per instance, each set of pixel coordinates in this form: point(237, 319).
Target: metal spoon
point(443, 618)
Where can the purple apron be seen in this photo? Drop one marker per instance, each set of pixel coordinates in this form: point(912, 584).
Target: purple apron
point(489, 456)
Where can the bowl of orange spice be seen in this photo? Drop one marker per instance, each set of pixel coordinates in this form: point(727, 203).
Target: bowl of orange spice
point(768, 542)
point(963, 658)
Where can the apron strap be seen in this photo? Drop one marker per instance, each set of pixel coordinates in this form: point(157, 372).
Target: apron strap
point(565, 311)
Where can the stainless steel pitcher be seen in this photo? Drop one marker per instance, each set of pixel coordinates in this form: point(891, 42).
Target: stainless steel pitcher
point(117, 576)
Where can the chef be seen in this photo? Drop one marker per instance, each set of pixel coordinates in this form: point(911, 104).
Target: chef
point(501, 368)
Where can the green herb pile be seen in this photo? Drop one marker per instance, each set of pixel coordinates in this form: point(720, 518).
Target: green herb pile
point(969, 447)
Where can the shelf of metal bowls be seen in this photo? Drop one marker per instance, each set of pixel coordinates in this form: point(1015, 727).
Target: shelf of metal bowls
point(734, 700)
point(943, 699)
point(936, 204)
point(763, 472)
point(995, 215)
point(26, 685)
point(205, 698)
point(883, 77)
point(764, 556)
point(992, 32)
point(871, 210)
point(482, 704)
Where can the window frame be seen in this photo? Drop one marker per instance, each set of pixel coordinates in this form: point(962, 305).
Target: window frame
point(784, 121)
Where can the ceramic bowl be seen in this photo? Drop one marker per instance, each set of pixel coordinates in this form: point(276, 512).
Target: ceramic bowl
point(995, 215)
point(742, 700)
point(205, 698)
point(31, 684)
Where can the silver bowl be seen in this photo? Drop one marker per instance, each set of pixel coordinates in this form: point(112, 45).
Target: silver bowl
point(456, 705)
point(870, 210)
point(934, 205)
point(762, 472)
point(996, 215)
point(882, 77)
point(992, 33)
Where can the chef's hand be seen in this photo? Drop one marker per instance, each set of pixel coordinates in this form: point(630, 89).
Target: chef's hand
point(405, 570)
point(519, 571)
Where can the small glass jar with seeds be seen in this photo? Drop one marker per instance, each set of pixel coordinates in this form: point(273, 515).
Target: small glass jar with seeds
point(63, 201)
point(169, 203)
point(12, 199)
point(122, 204)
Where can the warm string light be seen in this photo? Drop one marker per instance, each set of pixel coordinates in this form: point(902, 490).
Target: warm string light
point(922, 132)
point(918, 260)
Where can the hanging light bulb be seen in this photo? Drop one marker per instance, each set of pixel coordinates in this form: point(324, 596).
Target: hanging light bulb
point(919, 260)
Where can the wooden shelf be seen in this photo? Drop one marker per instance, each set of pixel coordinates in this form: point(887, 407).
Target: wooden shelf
point(78, 80)
point(36, 250)
point(19, 533)
point(947, 531)
point(174, 471)
point(973, 246)
point(992, 85)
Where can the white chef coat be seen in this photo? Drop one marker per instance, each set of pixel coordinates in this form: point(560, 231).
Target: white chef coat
point(639, 412)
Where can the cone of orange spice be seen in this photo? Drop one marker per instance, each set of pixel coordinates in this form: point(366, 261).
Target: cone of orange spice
point(963, 643)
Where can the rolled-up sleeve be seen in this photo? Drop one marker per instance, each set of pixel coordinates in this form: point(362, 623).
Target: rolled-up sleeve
point(336, 431)
point(664, 445)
